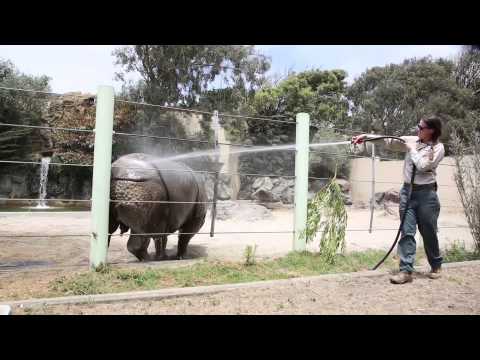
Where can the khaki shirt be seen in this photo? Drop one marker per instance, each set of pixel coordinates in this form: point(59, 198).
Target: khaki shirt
point(426, 158)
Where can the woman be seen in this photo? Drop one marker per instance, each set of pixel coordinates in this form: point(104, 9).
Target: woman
point(425, 152)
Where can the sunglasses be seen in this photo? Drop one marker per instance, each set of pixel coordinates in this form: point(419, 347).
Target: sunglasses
point(420, 127)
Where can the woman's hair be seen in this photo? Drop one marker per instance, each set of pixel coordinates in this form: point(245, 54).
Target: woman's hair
point(434, 122)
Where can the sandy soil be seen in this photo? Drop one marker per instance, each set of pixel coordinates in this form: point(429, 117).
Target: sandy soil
point(63, 251)
point(27, 265)
point(457, 292)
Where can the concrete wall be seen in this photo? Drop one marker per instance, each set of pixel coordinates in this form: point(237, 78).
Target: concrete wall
point(389, 175)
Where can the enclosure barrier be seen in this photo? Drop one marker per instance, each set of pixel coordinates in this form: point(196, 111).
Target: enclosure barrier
point(301, 180)
point(102, 168)
point(101, 175)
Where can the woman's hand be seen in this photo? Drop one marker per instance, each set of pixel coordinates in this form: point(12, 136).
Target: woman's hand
point(358, 139)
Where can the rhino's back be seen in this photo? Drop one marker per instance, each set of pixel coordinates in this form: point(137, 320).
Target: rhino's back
point(144, 177)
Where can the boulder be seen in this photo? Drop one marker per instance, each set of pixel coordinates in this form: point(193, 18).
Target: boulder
point(392, 195)
point(317, 185)
point(241, 211)
point(347, 199)
point(344, 185)
point(264, 183)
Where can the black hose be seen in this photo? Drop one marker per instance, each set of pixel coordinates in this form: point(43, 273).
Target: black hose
point(401, 222)
point(414, 169)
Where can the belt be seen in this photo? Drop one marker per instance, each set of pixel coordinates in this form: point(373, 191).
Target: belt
point(418, 187)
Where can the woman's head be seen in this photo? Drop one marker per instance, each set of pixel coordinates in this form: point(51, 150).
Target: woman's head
point(429, 128)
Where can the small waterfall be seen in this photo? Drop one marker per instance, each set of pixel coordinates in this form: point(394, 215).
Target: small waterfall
point(42, 204)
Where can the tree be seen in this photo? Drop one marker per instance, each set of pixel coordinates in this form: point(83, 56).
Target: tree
point(181, 74)
point(20, 108)
point(319, 93)
point(467, 72)
point(391, 99)
point(467, 178)
point(184, 76)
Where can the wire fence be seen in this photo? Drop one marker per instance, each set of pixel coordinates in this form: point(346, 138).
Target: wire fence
point(207, 233)
point(136, 135)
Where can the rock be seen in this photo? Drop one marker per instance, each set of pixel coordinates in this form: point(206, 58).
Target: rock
point(280, 189)
point(316, 185)
point(347, 199)
point(223, 191)
point(242, 211)
point(263, 182)
point(288, 197)
point(344, 185)
point(392, 195)
point(361, 205)
point(265, 196)
point(225, 209)
point(273, 205)
point(379, 197)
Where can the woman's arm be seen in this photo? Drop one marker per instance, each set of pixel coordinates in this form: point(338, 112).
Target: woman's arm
point(389, 144)
point(429, 162)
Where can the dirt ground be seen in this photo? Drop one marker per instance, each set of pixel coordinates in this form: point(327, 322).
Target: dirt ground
point(29, 264)
point(457, 292)
point(228, 243)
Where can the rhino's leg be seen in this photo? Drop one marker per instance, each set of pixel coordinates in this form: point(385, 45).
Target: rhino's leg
point(160, 246)
point(138, 246)
point(190, 228)
point(113, 223)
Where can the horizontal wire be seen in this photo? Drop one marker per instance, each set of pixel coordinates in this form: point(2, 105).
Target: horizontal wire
point(47, 127)
point(16, 199)
point(29, 90)
point(205, 172)
point(208, 233)
point(160, 137)
point(202, 111)
point(256, 118)
point(152, 169)
point(376, 181)
point(54, 236)
point(39, 163)
point(376, 157)
point(155, 201)
point(396, 229)
point(217, 232)
point(161, 202)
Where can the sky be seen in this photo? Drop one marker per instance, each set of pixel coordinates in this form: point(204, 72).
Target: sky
point(85, 67)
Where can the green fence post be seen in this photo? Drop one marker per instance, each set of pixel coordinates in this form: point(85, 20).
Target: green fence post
point(301, 180)
point(102, 158)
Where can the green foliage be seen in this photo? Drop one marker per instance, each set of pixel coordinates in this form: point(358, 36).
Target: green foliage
point(294, 264)
point(319, 93)
point(183, 76)
point(326, 211)
point(20, 108)
point(467, 178)
point(391, 99)
point(180, 74)
point(457, 252)
point(250, 255)
point(467, 71)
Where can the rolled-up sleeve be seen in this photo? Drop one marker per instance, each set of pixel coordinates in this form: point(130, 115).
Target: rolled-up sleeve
point(397, 145)
point(426, 162)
